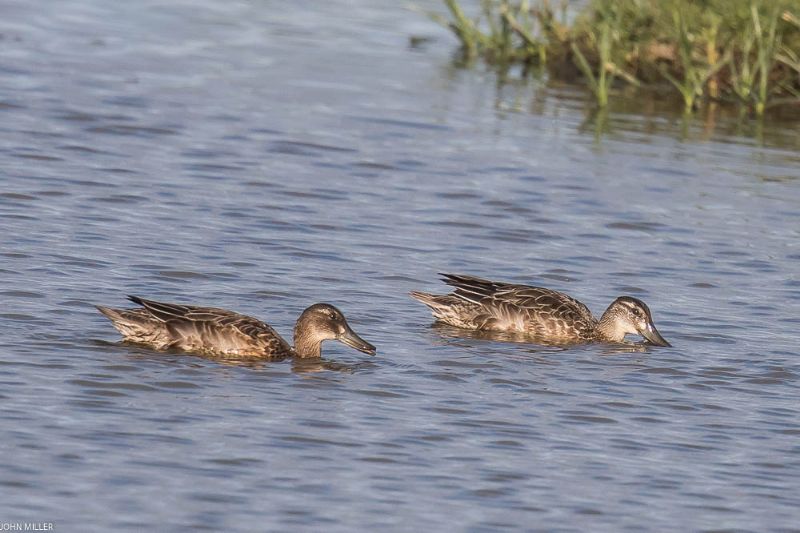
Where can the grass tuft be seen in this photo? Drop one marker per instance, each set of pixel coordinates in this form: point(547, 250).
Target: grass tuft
point(745, 51)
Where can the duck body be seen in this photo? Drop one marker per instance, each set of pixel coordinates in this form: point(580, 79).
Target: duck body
point(220, 332)
point(544, 315)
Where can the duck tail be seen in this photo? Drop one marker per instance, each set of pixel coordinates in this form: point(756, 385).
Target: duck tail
point(131, 323)
point(424, 297)
point(449, 308)
point(112, 314)
point(442, 306)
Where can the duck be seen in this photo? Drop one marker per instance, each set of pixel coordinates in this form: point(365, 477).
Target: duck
point(219, 332)
point(545, 316)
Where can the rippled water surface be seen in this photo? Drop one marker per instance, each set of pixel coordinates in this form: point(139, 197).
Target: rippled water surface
point(264, 156)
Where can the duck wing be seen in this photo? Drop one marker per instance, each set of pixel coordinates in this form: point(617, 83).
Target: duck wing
point(216, 331)
point(519, 306)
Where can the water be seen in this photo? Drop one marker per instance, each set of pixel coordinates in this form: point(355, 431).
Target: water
point(262, 157)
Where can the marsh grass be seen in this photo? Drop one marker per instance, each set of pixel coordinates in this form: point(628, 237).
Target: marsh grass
point(791, 58)
point(697, 68)
point(599, 74)
point(745, 51)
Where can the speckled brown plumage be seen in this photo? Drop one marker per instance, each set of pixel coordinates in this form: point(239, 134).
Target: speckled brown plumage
point(544, 315)
point(219, 332)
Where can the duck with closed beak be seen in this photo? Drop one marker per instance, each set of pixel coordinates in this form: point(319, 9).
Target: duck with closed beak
point(544, 315)
point(219, 332)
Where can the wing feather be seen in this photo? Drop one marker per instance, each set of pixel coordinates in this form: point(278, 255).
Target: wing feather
point(514, 307)
point(209, 329)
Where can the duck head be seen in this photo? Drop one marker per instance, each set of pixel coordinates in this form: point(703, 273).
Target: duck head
point(629, 315)
point(322, 322)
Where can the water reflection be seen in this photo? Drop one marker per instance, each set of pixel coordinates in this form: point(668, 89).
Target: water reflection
point(627, 347)
point(303, 365)
point(633, 111)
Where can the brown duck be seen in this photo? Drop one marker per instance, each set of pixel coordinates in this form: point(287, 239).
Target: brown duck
point(544, 315)
point(219, 332)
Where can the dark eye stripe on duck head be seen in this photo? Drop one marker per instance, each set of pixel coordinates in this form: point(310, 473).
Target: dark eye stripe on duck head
point(346, 335)
point(635, 305)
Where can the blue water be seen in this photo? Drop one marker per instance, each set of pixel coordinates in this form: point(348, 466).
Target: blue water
point(265, 156)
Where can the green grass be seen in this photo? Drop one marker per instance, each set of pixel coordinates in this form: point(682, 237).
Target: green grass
point(728, 51)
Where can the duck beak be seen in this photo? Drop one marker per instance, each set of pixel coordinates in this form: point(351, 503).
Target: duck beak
point(653, 336)
point(350, 338)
